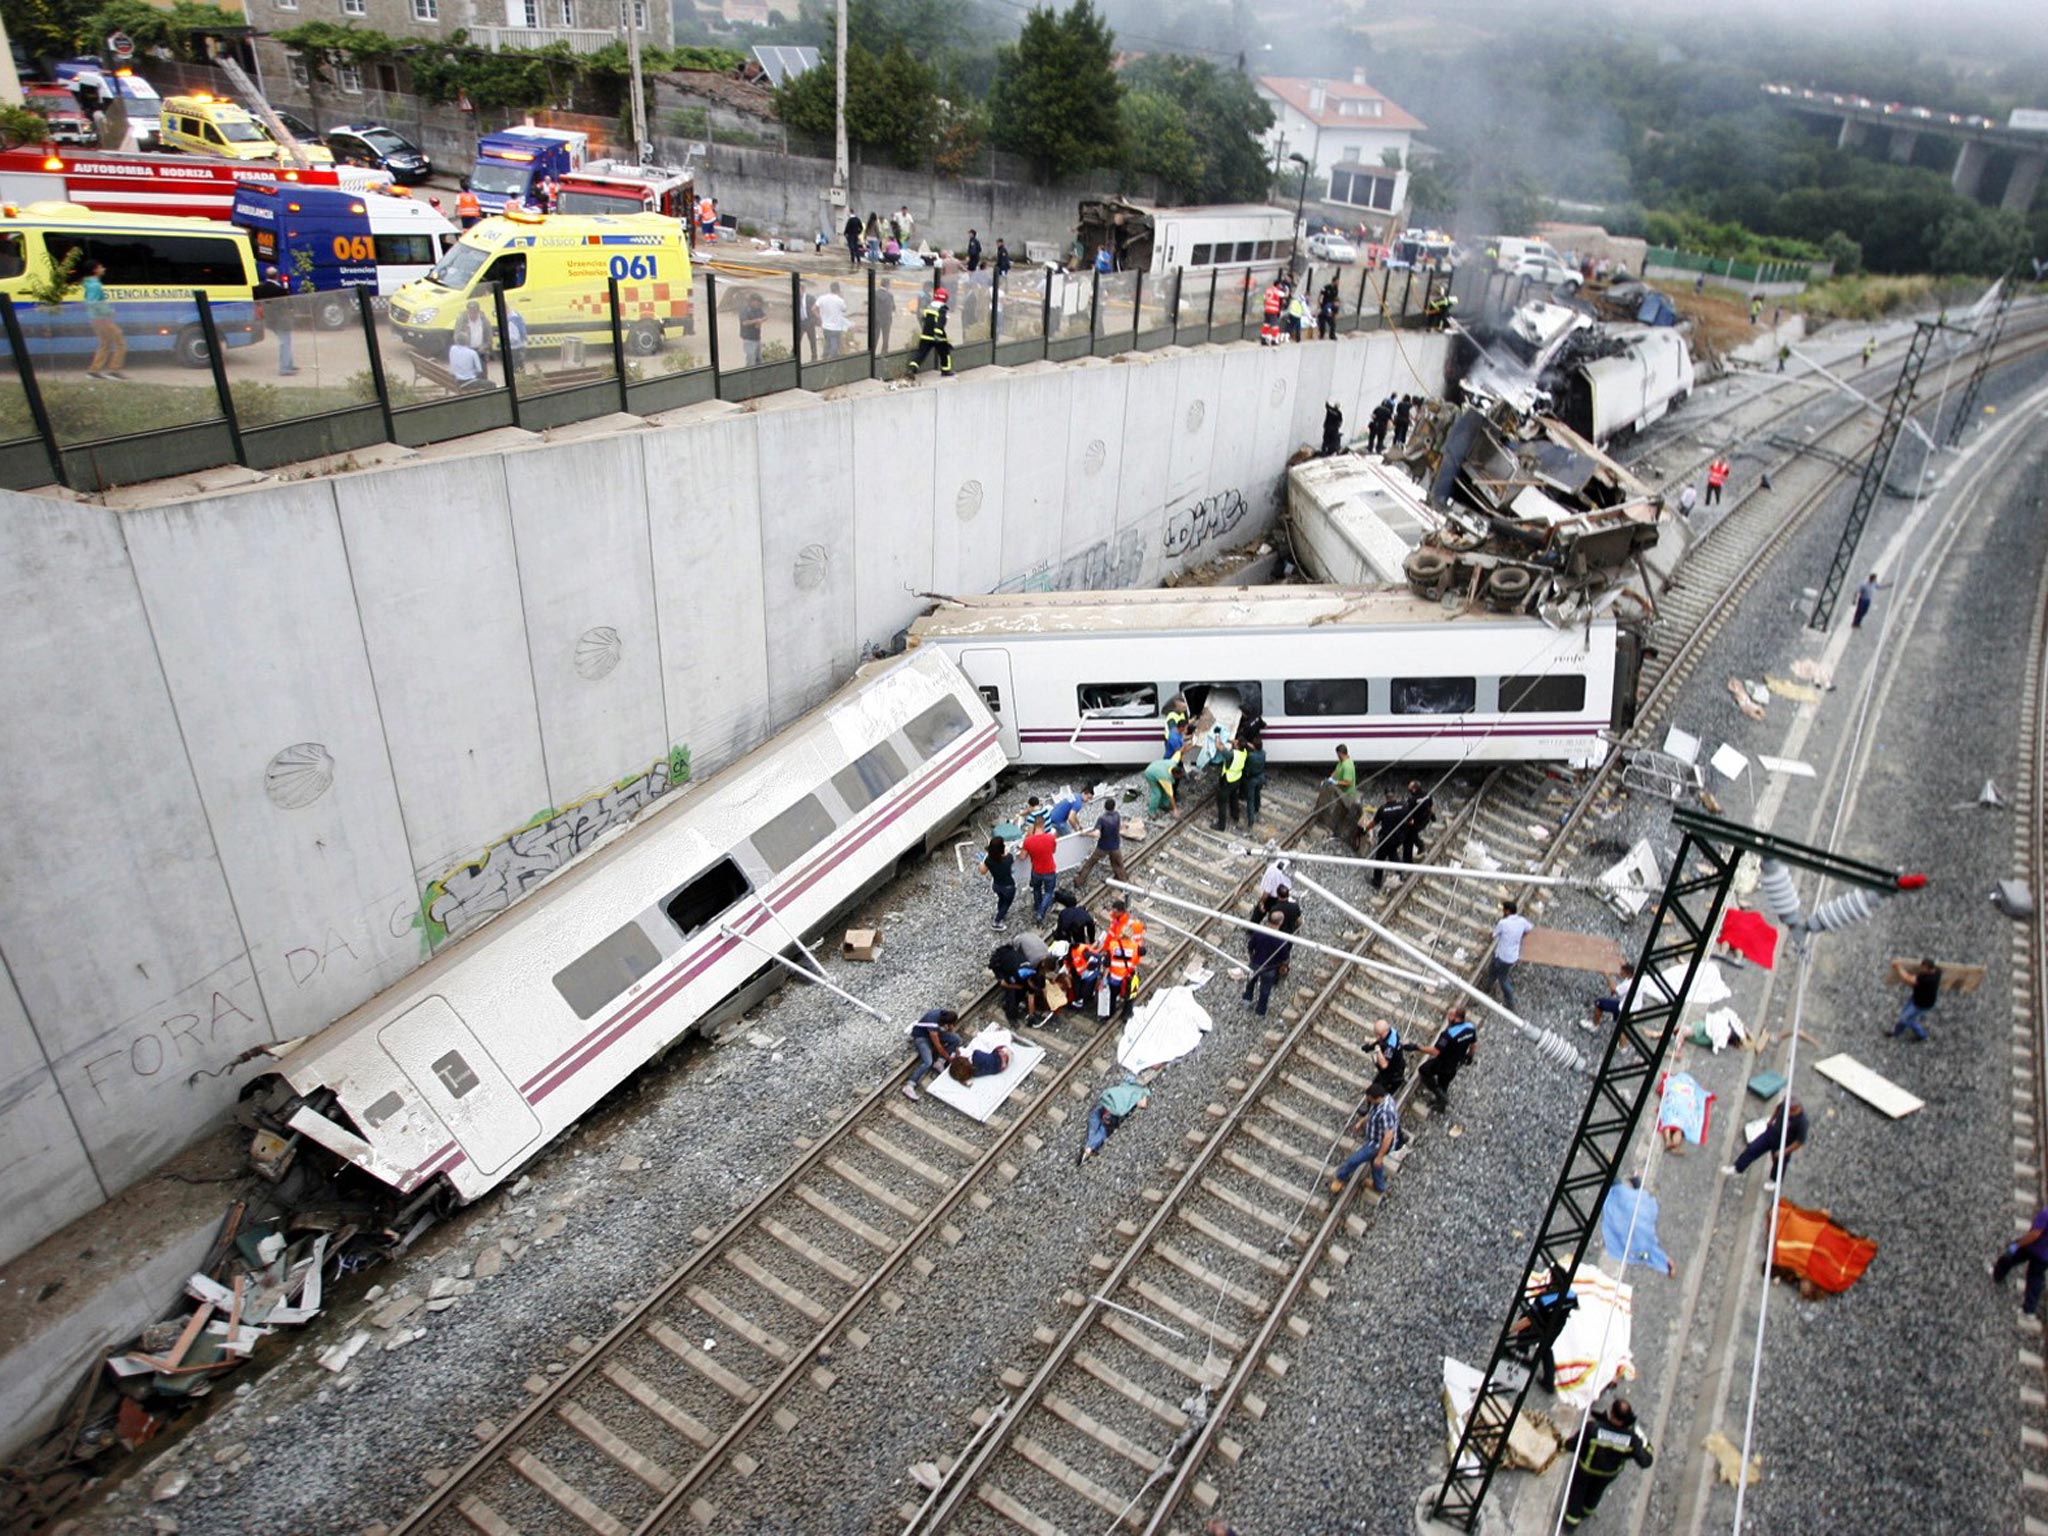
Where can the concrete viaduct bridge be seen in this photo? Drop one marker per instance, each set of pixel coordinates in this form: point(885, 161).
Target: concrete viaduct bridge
point(1978, 138)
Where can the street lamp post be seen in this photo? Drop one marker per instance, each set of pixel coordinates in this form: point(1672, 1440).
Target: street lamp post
point(1300, 202)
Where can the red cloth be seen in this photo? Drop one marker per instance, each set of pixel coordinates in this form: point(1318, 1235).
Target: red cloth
point(1042, 849)
point(1812, 1247)
point(1750, 935)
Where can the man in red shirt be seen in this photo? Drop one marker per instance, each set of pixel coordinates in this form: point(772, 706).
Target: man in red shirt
point(1042, 849)
point(1717, 477)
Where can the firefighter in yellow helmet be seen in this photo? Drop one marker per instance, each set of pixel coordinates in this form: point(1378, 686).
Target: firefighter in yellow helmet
point(931, 335)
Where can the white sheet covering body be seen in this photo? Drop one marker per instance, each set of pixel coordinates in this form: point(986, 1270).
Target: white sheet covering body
point(1164, 1028)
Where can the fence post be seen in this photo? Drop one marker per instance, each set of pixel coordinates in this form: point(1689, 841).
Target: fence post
point(874, 362)
point(618, 343)
point(1095, 311)
point(1137, 308)
point(1209, 314)
point(1180, 275)
point(505, 354)
point(1408, 288)
point(995, 312)
point(367, 312)
point(33, 392)
point(1045, 315)
point(1244, 303)
point(796, 324)
point(216, 360)
point(1358, 312)
point(711, 307)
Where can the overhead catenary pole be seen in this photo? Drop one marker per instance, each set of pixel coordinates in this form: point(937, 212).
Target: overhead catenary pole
point(631, 16)
point(839, 176)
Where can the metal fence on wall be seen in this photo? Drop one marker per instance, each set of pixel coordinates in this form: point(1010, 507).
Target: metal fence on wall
point(205, 384)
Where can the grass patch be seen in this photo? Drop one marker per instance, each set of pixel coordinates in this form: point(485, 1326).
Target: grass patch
point(1870, 297)
point(90, 411)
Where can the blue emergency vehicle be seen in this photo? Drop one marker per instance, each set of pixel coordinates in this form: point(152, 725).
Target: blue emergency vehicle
point(510, 166)
point(332, 239)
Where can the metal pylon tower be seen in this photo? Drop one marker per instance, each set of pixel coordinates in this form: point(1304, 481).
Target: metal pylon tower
point(1688, 915)
point(1966, 403)
point(1875, 468)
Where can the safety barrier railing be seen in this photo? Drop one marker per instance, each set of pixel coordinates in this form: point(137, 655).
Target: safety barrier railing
point(139, 391)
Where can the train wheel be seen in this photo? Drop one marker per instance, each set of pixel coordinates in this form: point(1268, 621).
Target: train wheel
point(1427, 571)
point(1508, 586)
point(1459, 541)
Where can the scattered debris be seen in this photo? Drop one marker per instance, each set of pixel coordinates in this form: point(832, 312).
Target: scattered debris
point(1799, 693)
point(861, 944)
point(1786, 765)
point(1873, 1088)
point(1723, 1450)
point(1745, 700)
point(1807, 670)
point(170, 1486)
point(2013, 899)
point(336, 1357)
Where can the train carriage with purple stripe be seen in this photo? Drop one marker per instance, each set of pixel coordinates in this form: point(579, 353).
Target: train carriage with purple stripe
point(1085, 677)
point(445, 1084)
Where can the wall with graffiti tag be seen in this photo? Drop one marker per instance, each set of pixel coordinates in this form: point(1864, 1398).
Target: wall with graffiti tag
point(270, 749)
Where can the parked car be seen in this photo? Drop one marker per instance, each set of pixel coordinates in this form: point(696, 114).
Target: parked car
point(381, 148)
point(1329, 247)
point(1542, 266)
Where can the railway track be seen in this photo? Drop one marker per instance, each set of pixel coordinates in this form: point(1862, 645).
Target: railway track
point(648, 1424)
point(742, 1337)
point(1115, 1423)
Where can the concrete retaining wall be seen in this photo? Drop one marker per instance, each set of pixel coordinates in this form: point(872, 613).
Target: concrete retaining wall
point(268, 751)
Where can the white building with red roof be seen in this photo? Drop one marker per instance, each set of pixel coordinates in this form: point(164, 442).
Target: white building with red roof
point(1344, 129)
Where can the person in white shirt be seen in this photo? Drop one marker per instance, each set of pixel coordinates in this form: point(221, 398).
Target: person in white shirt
point(1687, 499)
point(833, 321)
point(1507, 950)
point(467, 364)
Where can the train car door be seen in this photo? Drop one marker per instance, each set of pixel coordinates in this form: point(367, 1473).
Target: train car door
point(989, 670)
point(444, 1060)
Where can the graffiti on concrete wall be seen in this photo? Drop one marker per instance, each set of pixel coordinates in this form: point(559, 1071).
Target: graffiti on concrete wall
point(1189, 528)
point(1118, 562)
point(459, 899)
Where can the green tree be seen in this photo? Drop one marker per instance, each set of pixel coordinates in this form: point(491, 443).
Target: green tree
point(892, 102)
point(1222, 114)
point(1845, 253)
point(1158, 143)
point(1056, 92)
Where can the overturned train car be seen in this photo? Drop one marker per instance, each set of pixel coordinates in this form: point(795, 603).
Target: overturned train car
point(444, 1085)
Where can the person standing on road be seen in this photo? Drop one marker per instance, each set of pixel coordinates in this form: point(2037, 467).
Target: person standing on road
point(1403, 414)
point(1389, 827)
point(1041, 847)
point(1507, 951)
point(1612, 1442)
point(1456, 1047)
point(1254, 773)
point(999, 864)
point(277, 317)
point(830, 311)
point(1380, 1121)
point(1866, 594)
point(1923, 991)
point(1230, 783)
point(1268, 950)
point(469, 211)
point(1123, 952)
point(1793, 1123)
point(753, 310)
point(852, 234)
point(931, 336)
point(1326, 313)
point(973, 251)
point(1421, 813)
point(1717, 476)
point(1688, 498)
point(2031, 1249)
point(1109, 843)
point(1869, 350)
point(111, 347)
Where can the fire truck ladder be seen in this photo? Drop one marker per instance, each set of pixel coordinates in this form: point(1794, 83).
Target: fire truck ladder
point(1688, 915)
point(1875, 468)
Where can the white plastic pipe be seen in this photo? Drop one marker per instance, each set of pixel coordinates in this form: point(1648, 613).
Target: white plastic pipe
point(783, 960)
point(1393, 938)
point(1444, 871)
point(1296, 939)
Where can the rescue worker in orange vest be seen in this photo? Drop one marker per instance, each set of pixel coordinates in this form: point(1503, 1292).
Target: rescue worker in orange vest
point(707, 219)
point(1123, 948)
point(467, 209)
point(1717, 476)
point(1230, 785)
point(1084, 975)
point(1270, 322)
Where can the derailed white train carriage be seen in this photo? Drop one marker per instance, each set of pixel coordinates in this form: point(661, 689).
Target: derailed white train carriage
point(460, 1073)
point(1084, 677)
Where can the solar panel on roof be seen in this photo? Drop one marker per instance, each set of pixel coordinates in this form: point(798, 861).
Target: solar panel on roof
point(780, 62)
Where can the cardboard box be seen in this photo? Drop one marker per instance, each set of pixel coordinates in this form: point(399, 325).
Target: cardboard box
point(1134, 829)
point(860, 944)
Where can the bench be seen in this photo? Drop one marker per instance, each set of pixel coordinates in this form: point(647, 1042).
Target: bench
point(436, 371)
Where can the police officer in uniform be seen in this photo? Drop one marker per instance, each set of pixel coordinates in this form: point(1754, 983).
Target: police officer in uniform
point(1612, 1442)
point(1534, 1335)
point(931, 335)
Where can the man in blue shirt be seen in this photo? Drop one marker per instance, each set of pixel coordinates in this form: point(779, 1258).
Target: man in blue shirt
point(1109, 842)
point(2030, 1249)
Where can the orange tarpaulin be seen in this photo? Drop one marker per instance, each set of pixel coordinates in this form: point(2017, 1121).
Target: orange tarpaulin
point(1812, 1247)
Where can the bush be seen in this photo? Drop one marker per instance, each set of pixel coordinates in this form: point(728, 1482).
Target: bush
point(1845, 253)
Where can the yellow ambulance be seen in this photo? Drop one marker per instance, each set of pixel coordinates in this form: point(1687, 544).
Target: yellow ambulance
point(556, 271)
point(205, 125)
